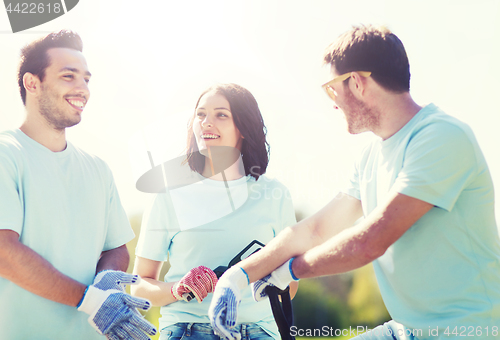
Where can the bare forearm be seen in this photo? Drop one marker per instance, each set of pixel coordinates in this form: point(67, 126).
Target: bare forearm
point(345, 252)
point(27, 269)
point(157, 292)
point(364, 242)
point(277, 251)
point(114, 259)
point(150, 287)
point(338, 215)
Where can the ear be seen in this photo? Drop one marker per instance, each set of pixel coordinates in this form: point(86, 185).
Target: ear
point(359, 83)
point(31, 83)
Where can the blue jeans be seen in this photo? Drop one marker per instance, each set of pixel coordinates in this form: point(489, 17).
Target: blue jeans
point(203, 331)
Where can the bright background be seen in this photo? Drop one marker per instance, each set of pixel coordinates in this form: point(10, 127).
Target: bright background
point(151, 60)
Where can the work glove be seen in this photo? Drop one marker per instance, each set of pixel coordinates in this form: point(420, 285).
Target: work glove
point(280, 277)
point(113, 313)
point(223, 310)
point(113, 279)
point(200, 281)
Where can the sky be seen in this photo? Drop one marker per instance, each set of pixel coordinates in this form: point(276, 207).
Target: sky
point(150, 61)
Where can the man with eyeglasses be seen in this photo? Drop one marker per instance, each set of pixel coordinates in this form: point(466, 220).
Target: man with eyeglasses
point(427, 199)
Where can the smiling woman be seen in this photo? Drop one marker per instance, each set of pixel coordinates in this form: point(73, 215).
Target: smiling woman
point(202, 226)
point(235, 111)
point(213, 125)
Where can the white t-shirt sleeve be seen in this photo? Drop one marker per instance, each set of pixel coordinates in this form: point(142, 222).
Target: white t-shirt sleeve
point(439, 163)
point(155, 236)
point(11, 209)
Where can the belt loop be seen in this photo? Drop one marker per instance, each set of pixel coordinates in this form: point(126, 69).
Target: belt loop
point(188, 329)
point(243, 332)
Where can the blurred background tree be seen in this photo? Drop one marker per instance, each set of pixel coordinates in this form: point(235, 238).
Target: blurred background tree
point(339, 301)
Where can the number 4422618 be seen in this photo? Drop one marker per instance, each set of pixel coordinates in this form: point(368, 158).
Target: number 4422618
point(471, 331)
point(34, 8)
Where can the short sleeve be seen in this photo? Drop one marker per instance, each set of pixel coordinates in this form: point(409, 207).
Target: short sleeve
point(352, 186)
point(119, 231)
point(157, 228)
point(440, 161)
point(11, 207)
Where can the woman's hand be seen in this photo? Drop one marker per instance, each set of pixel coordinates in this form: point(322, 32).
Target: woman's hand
point(200, 281)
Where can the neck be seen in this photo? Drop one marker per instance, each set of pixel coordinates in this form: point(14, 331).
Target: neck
point(233, 172)
point(395, 111)
point(38, 129)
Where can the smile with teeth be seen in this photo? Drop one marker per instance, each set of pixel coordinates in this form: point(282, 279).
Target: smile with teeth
point(209, 136)
point(77, 103)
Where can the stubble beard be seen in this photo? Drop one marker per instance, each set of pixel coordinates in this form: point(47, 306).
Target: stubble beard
point(55, 116)
point(360, 118)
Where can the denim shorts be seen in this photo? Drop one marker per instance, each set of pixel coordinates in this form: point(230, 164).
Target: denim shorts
point(203, 331)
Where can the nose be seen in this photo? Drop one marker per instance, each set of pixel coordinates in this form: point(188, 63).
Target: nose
point(82, 88)
point(207, 121)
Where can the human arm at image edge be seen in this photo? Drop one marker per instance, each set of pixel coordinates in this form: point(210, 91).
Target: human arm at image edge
point(323, 244)
point(337, 215)
point(365, 242)
point(30, 271)
point(20, 265)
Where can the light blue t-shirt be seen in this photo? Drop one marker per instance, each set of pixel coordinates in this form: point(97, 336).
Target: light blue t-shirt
point(444, 271)
point(208, 224)
point(65, 207)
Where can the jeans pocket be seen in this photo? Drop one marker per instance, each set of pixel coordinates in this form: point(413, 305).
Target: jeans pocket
point(172, 332)
point(259, 334)
point(165, 334)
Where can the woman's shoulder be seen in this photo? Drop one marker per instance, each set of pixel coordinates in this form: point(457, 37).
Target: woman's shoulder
point(267, 182)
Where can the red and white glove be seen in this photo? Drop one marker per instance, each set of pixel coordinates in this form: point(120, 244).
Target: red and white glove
point(200, 281)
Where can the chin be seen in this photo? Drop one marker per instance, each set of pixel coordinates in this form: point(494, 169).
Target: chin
point(73, 123)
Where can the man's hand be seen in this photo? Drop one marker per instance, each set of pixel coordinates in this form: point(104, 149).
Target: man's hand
point(280, 278)
point(113, 279)
point(113, 313)
point(200, 281)
point(223, 310)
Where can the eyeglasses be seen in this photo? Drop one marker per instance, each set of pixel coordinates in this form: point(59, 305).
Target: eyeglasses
point(329, 88)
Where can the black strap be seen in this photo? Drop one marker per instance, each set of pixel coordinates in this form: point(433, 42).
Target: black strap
point(283, 312)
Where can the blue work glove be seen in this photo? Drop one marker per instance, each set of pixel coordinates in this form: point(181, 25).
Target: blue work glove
point(113, 313)
point(223, 311)
point(281, 278)
point(113, 279)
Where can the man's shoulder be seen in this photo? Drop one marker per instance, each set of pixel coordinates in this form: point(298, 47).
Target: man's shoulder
point(435, 122)
point(9, 143)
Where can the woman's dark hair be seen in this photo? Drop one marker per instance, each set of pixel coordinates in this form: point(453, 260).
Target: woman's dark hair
point(247, 119)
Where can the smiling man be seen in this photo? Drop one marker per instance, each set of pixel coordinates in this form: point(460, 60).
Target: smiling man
point(61, 220)
point(426, 195)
